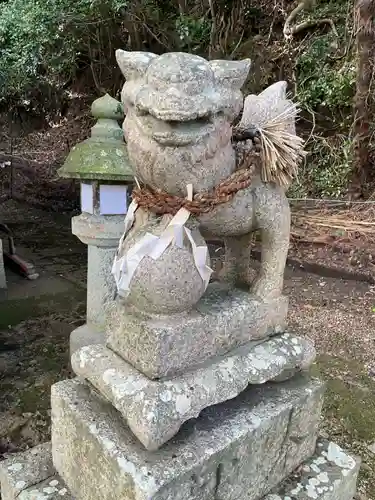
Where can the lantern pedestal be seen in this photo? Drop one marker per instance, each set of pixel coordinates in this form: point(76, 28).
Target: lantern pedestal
point(101, 233)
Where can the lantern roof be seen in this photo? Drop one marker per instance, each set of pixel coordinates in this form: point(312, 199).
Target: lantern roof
point(104, 155)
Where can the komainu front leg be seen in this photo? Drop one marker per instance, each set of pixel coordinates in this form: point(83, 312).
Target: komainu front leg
point(273, 219)
point(236, 266)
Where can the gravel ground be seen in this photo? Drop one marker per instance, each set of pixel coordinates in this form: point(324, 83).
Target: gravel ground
point(340, 317)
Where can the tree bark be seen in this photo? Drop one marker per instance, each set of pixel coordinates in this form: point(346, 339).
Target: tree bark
point(363, 101)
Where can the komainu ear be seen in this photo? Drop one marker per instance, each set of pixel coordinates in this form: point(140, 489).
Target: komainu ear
point(133, 65)
point(276, 91)
point(231, 74)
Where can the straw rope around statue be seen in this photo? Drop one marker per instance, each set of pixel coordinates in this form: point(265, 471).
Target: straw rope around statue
point(161, 203)
point(275, 152)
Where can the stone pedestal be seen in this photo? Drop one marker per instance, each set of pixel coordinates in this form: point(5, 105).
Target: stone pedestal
point(233, 426)
point(167, 345)
point(101, 234)
point(330, 474)
point(156, 409)
point(240, 449)
point(237, 450)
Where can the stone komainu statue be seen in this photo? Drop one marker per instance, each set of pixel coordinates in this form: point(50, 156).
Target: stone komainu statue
point(180, 110)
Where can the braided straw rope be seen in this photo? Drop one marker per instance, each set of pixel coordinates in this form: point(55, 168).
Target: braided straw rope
point(160, 203)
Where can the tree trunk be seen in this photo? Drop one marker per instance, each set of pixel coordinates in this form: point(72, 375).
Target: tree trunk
point(363, 101)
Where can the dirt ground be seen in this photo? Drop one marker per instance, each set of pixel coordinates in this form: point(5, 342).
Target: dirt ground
point(37, 318)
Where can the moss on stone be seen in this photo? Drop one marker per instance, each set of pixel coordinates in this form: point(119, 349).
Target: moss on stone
point(96, 160)
point(349, 411)
point(104, 155)
point(107, 107)
point(350, 395)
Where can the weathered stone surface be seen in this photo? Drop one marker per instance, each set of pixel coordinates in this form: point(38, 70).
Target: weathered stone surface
point(182, 88)
point(240, 449)
point(103, 155)
point(223, 319)
point(101, 286)
point(52, 488)
point(30, 475)
point(102, 231)
point(331, 474)
point(263, 207)
point(155, 410)
point(84, 335)
point(170, 283)
point(108, 108)
point(24, 470)
point(101, 234)
point(178, 127)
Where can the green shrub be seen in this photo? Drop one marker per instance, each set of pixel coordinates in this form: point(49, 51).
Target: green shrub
point(330, 166)
point(327, 169)
point(194, 34)
point(43, 41)
point(323, 83)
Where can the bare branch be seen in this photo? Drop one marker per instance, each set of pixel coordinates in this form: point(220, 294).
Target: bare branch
point(289, 20)
point(290, 31)
point(314, 23)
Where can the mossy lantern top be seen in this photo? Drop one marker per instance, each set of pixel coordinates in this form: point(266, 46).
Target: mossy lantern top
point(103, 156)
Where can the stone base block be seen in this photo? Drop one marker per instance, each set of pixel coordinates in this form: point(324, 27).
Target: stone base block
point(237, 450)
point(155, 410)
point(32, 476)
point(331, 474)
point(85, 335)
point(225, 318)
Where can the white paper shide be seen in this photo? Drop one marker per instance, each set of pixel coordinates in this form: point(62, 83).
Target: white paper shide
point(176, 233)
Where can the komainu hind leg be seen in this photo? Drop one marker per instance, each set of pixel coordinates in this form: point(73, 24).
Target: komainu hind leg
point(273, 220)
point(236, 266)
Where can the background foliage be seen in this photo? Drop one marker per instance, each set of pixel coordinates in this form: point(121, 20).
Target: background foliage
point(45, 43)
point(47, 47)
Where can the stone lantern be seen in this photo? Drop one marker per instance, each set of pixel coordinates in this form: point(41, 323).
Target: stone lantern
point(102, 166)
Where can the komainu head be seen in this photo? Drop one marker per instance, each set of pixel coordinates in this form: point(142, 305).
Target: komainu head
point(182, 87)
point(179, 113)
